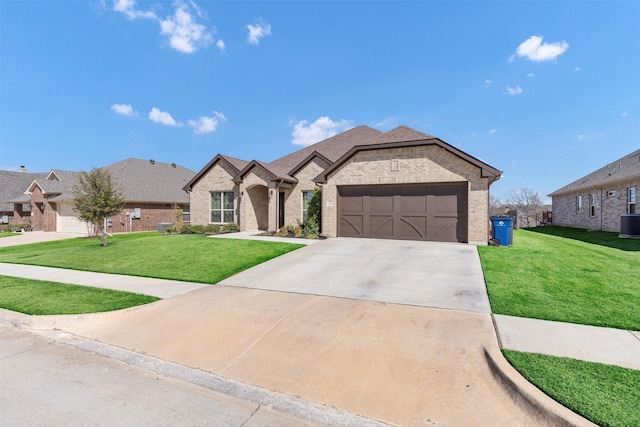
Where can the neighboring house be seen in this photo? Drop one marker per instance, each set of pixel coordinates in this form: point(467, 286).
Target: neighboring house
point(521, 220)
point(598, 200)
point(12, 186)
point(402, 184)
point(152, 193)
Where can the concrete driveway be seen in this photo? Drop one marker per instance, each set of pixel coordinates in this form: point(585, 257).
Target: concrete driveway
point(426, 274)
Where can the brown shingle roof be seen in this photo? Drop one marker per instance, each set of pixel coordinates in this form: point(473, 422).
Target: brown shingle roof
point(625, 169)
point(237, 164)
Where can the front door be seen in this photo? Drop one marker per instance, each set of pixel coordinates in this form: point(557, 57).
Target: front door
point(281, 209)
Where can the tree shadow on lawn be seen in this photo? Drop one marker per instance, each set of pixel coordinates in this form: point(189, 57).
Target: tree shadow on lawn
point(602, 238)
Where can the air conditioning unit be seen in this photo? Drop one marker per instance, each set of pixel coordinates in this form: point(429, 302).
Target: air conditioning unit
point(630, 226)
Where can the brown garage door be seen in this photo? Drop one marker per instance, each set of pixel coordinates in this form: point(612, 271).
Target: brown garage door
point(434, 212)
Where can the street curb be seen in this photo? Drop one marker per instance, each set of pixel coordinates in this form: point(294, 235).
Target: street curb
point(311, 411)
point(529, 397)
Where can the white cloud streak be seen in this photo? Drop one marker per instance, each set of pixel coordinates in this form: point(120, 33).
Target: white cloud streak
point(206, 124)
point(487, 83)
point(305, 133)
point(162, 117)
point(534, 50)
point(184, 32)
point(493, 131)
point(258, 31)
point(513, 90)
point(128, 8)
point(124, 109)
point(221, 46)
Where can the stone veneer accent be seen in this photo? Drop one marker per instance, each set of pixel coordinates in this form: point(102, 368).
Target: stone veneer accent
point(408, 165)
point(607, 212)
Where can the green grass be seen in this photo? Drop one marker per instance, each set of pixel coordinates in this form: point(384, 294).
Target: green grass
point(566, 275)
point(192, 258)
point(7, 234)
point(607, 395)
point(43, 298)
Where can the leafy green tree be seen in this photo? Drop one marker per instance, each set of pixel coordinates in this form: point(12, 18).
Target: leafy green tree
point(314, 209)
point(95, 197)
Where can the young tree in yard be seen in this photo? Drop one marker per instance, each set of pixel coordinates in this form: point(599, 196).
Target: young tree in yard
point(528, 203)
point(95, 197)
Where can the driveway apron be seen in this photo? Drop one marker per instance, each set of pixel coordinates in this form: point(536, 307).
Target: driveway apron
point(347, 323)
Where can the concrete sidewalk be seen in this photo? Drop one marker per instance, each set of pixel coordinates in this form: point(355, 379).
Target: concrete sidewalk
point(141, 285)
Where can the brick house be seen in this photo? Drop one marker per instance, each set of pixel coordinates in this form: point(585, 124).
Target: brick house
point(15, 207)
point(402, 184)
point(152, 193)
point(598, 200)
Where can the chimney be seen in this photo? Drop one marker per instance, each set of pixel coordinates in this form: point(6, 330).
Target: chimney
point(22, 169)
point(153, 162)
point(173, 165)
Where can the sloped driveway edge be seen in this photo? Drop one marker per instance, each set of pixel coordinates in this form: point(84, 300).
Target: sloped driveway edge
point(531, 398)
point(298, 407)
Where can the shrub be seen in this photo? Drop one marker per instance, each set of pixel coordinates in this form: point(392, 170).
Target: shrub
point(211, 229)
point(231, 227)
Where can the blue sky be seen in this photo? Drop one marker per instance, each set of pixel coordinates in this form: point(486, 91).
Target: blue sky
point(546, 91)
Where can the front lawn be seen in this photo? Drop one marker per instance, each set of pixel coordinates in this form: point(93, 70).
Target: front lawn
point(192, 258)
point(567, 275)
point(607, 395)
point(7, 234)
point(41, 297)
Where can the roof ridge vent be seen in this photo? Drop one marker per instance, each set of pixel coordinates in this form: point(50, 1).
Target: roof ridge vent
point(173, 165)
point(153, 162)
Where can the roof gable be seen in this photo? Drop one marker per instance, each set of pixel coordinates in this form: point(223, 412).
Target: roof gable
point(237, 164)
point(275, 172)
point(403, 137)
point(14, 185)
point(626, 168)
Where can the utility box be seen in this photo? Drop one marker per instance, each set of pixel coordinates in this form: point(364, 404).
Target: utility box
point(501, 230)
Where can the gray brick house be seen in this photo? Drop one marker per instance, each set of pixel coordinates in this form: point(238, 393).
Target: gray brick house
point(598, 200)
point(402, 184)
point(152, 192)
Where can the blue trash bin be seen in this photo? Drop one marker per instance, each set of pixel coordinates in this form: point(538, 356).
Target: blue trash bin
point(501, 230)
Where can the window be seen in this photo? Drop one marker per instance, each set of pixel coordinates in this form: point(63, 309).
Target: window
point(222, 206)
point(186, 214)
point(306, 196)
point(632, 200)
point(592, 204)
point(579, 203)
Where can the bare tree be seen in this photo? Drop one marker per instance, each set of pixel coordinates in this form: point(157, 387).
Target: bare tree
point(528, 203)
point(95, 197)
point(496, 206)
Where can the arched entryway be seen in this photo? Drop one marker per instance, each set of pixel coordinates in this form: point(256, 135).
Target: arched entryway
point(256, 208)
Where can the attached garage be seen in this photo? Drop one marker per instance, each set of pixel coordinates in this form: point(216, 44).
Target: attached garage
point(433, 212)
point(407, 186)
point(68, 222)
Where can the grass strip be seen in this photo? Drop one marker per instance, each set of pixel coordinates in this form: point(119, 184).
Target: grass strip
point(565, 277)
point(7, 234)
point(604, 394)
point(191, 258)
point(45, 298)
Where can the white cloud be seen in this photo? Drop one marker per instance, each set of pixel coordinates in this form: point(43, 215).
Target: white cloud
point(474, 134)
point(128, 8)
point(206, 124)
point(124, 109)
point(184, 33)
point(305, 133)
point(577, 69)
point(493, 131)
point(534, 50)
point(258, 31)
point(531, 75)
point(487, 83)
point(624, 114)
point(162, 117)
point(221, 46)
point(513, 90)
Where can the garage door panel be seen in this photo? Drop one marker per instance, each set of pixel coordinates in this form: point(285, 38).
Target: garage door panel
point(381, 226)
point(416, 212)
point(351, 225)
point(413, 227)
